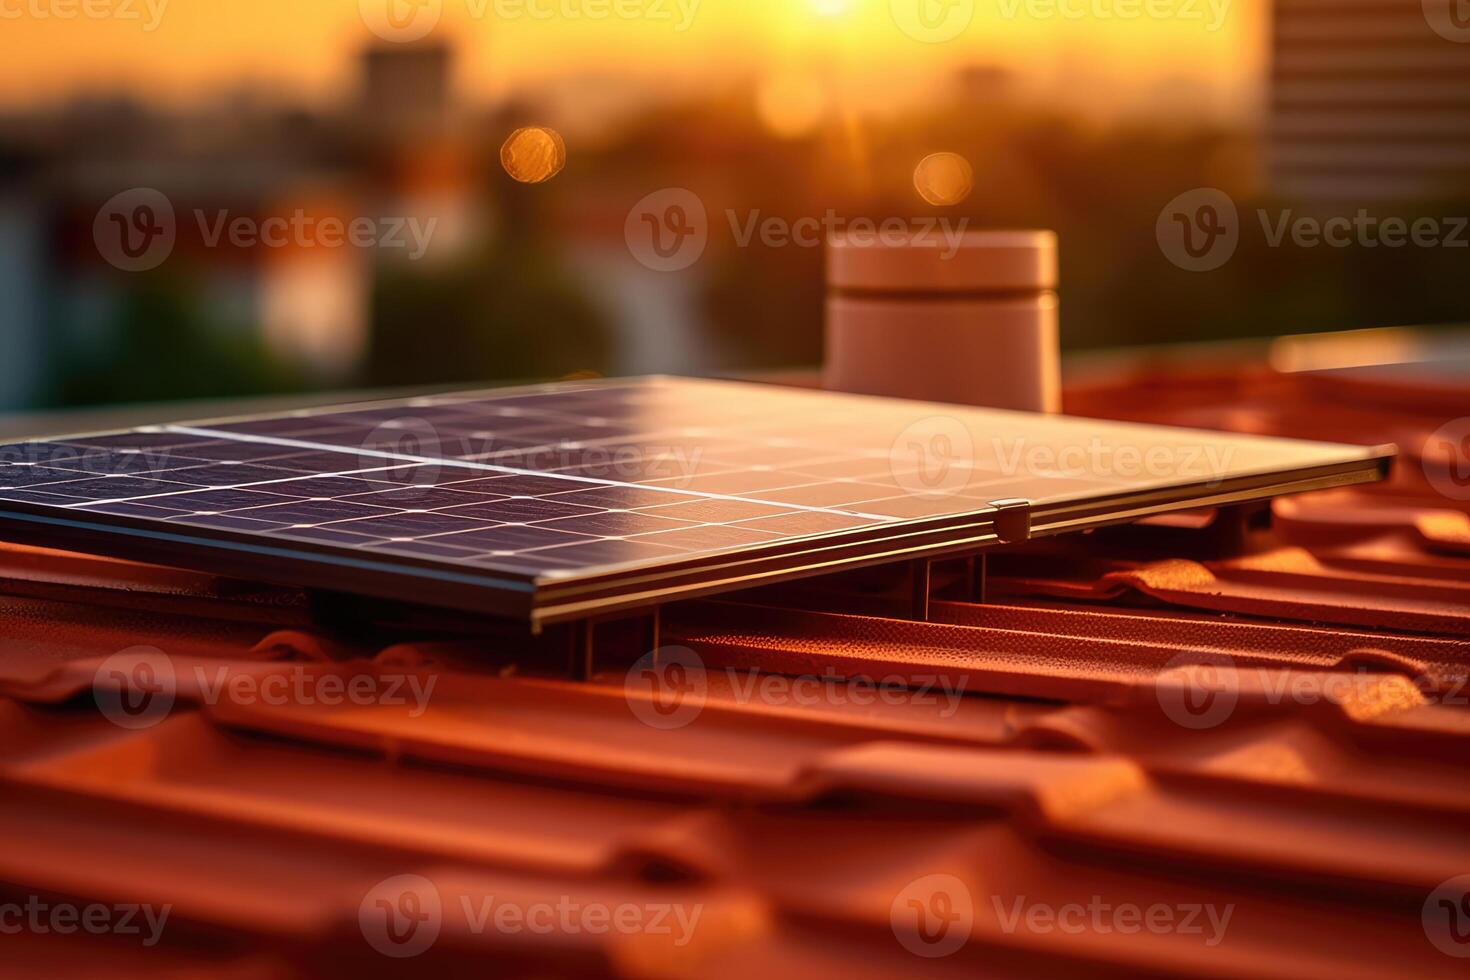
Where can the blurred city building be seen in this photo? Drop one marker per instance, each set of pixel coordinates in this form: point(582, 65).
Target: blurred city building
point(222, 315)
point(519, 280)
point(1370, 99)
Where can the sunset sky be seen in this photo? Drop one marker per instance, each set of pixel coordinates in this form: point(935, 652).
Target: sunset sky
point(1080, 49)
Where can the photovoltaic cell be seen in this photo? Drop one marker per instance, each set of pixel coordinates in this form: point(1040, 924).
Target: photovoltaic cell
point(558, 500)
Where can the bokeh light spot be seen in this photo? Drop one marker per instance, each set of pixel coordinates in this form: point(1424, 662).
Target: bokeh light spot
point(944, 178)
point(534, 154)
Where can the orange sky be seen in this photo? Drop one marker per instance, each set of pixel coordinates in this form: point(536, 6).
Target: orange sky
point(1088, 49)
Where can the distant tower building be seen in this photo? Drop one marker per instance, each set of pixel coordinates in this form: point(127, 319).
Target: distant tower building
point(984, 84)
point(407, 87)
point(23, 283)
point(1370, 99)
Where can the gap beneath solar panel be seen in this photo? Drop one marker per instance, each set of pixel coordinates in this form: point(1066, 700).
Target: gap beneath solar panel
point(558, 502)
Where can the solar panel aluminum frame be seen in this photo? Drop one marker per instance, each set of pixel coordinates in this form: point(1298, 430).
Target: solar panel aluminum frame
point(1061, 517)
point(550, 599)
point(565, 595)
point(541, 599)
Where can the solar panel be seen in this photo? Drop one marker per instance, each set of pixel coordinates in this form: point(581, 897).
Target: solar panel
point(557, 502)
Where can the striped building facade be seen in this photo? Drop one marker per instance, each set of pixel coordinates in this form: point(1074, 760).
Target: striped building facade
point(1370, 100)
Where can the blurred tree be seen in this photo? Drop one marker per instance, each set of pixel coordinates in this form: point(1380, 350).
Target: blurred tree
point(502, 312)
point(505, 310)
point(776, 323)
point(162, 344)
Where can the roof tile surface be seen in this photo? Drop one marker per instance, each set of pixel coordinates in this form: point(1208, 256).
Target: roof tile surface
point(1138, 758)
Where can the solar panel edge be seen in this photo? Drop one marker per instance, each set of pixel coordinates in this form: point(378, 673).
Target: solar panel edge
point(345, 407)
point(119, 537)
point(547, 596)
point(454, 397)
point(1059, 516)
point(589, 580)
point(951, 408)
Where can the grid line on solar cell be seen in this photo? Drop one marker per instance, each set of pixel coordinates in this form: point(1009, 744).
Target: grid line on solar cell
point(460, 515)
point(266, 501)
point(558, 479)
point(508, 471)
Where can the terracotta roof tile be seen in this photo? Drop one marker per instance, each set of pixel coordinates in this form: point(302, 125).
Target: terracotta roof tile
point(1270, 746)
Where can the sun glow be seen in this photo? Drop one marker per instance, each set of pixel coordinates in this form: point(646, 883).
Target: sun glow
point(312, 49)
point(831, 8)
